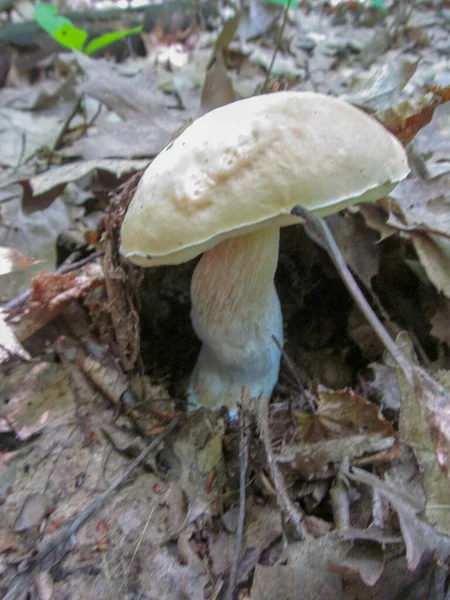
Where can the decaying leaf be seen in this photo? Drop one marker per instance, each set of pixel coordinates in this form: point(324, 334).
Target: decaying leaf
point(23, 133)
point(129, 140)
point(385, 385)
point(418, 535)
point(303, 566)
point(98, 368)
point(425, 426)
point(39, 396)
point(345, 425)
point(51, 293)
point(32, 512)
point(365, 561)
point(8, 539)
point(420, 210)
point(381, 89)
point(138, 96)
point(9, 343)
point(434, 255)
point(431, 146)
point(441, 322)
point(73, 171)
point(405, 121)
point(12, 260)
point(199, 467)
point(357, 244)
point(262, 528)
point(218, 87)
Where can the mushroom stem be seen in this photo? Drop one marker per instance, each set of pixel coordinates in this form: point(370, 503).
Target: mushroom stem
point(236, 313)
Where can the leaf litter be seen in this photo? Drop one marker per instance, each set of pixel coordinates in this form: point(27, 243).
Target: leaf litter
point(91, 379)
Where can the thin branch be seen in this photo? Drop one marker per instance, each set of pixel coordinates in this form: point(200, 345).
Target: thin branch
point(75, 109)
point(324, 233)
point(277, 47)
point(294, 513)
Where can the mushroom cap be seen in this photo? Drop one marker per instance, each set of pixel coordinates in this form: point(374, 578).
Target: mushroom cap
point(244, 166)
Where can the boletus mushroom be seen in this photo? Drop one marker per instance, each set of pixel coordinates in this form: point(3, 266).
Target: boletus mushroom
point(224, 188)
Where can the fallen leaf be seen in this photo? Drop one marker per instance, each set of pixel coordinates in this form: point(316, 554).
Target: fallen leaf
point(9, 344)
point(43, 398)
point(130, 140)
point(406, 120)
point(8, 539)
point(32, 512)
point(198, 453)
point(345, 425)
point(23, 133)
point(302, 566)
point(367, 562)
point(33, 235)
point(418, 535)
point(51, 293)
point(431, 145)
point(386, 386)
point(262, 528)
point(381, 89)
point(12, 260)
point(434, 255)
point(218, 87)
point(441, 322)
point(357, 244)
point(57, 176)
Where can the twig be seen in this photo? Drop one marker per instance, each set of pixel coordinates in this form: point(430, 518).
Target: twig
point(277, 47)
point(294, 513)
point(53, 554)
point(296, 376)
point(243, 461)
point(324, 233)
point(66, 267)
point(75, 109)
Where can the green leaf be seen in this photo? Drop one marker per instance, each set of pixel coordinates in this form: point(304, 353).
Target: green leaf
point(60, 28)
point(294, 3)
point(380, 5)
point(109, 38)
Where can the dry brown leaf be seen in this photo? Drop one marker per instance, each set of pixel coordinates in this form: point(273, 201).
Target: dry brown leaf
point(8, 539)
point(421, 210)
point(405, 121)
point(302, 572)
point(13, 260)
point(357, 244)
point(218, 87)
point(418, 535)
point(345, 425)
point(9, 344)
point(40, 396)
point(367, 562)
point(51, 293)
point(441, 322)
point(435, 258)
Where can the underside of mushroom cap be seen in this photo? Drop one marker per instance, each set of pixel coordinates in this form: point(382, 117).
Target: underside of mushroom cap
point(244, 166)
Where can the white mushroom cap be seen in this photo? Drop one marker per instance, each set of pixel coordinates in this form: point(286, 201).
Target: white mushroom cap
point(244, 166)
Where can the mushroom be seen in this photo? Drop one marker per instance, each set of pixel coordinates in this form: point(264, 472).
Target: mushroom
point(224, 188)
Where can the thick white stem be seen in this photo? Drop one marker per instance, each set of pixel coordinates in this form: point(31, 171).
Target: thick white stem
point(236, 313)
